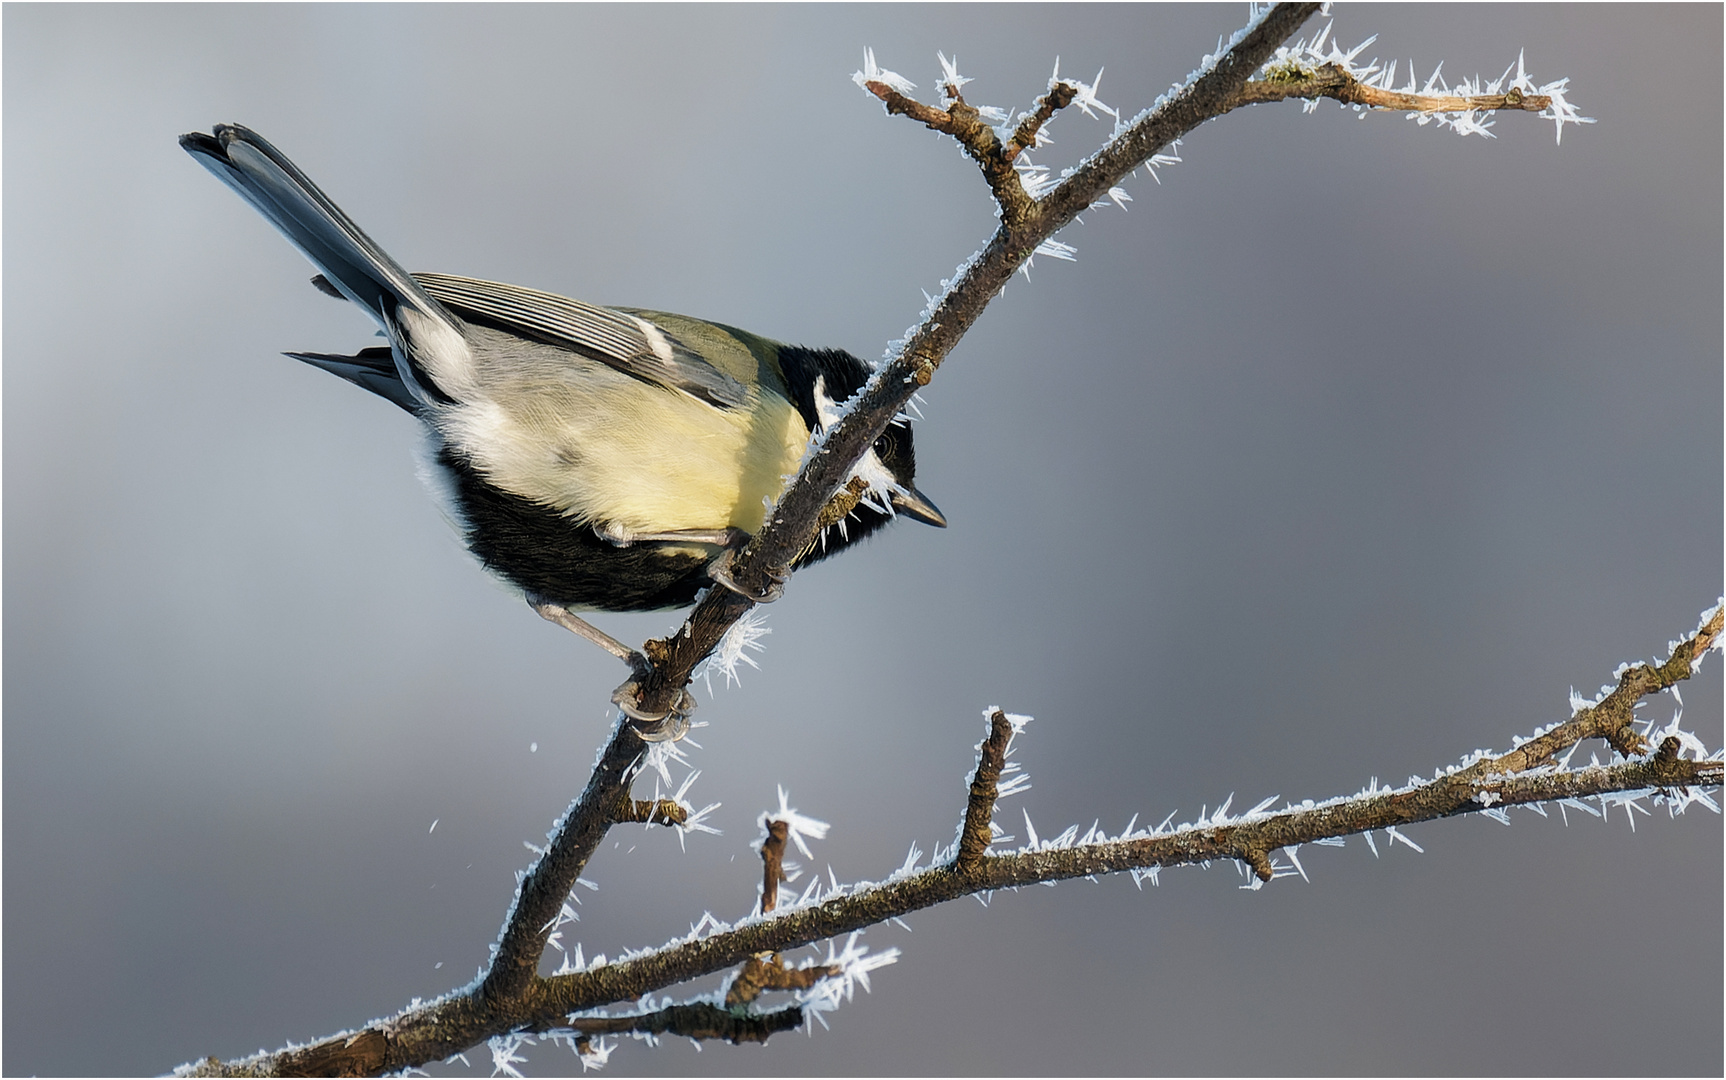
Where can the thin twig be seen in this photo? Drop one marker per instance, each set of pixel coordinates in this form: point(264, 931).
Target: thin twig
point(1331, 81)
point(767, 972)
point(773, 863)
point(965, 124)
point(1025, 135)
point(975, 835)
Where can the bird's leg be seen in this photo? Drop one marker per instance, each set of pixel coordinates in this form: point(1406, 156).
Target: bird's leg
point(575, 624)
point(652, 727)
point(727, 537)
point(730, 538)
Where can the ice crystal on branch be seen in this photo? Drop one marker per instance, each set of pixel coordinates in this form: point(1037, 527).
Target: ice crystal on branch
point(596, 1054)
point(1085, 100)
point(797, 825)
point(854, 962)
point(741, 638)
point(951, 82)
point(872, 73)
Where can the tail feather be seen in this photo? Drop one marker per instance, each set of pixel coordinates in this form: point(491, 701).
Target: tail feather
point(264, 177)
point(350, 262)
point(369, 369)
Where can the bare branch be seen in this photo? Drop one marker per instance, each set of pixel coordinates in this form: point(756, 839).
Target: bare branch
point(965, 125)
point(542, 892)
point(1025, 135)
point(1249, 840)
point(1611, 718)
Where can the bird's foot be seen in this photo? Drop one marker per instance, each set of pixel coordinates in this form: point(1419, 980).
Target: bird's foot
point(668, 726)
point(720, 571)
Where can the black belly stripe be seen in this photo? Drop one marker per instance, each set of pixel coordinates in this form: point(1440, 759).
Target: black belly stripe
point(542, 551)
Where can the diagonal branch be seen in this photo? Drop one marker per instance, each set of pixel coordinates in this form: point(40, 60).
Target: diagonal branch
point(795, 520)
point(540, 897)
point(1208, 93)
point(1248, 840)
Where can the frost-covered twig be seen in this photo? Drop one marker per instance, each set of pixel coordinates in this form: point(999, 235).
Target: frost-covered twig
point(1331, 81)
point(974, 835)
point(969, 128)
point(773, 863)
point(767, 972)
point(1320, 68)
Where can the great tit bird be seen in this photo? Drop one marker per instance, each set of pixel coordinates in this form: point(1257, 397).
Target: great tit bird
point(596, 458)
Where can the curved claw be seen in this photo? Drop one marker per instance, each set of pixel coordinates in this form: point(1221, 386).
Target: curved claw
point(669, 726)
point(720, 571)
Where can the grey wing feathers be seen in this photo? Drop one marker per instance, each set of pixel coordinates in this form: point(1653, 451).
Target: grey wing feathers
point(629, 344)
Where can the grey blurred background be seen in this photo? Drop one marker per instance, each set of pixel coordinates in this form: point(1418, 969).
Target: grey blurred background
point(1350, 448)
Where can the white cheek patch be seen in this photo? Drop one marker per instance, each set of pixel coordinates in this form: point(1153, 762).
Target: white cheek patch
point(869, 467)
point(880, 482)
point(826, 409)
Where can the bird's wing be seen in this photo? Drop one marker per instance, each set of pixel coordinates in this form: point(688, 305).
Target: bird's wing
point(626, 342)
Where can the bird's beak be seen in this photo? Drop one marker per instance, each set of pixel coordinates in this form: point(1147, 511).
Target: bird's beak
point(915, 505)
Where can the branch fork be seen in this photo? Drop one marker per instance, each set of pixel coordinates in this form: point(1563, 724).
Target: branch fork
point(965, 124)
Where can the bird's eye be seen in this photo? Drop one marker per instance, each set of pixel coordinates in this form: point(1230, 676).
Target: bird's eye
point(882, 445)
